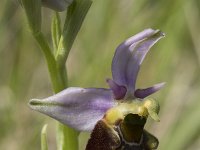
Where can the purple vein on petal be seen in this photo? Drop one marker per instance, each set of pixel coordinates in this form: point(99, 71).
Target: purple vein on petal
point(142, 93)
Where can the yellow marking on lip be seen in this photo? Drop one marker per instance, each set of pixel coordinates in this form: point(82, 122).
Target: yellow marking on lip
point(136, 106)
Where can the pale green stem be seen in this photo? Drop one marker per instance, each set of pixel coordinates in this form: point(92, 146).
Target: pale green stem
point(44, 145)
point(51, 63)
point(67, 137)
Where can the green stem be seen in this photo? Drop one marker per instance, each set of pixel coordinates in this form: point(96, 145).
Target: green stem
point(67, 137)
point(51, 63)
point(44, 145)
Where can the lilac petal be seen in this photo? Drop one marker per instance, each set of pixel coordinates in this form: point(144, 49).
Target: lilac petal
point(57, 5)
point(77, 107)
point(129, 56)
point(142, 93)
point(118, 91)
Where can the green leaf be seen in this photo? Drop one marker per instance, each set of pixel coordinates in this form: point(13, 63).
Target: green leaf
point(44, 145)
point(76, 15)
point(33, 12)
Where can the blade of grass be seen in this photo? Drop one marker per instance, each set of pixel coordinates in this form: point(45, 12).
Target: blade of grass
point(44, 145)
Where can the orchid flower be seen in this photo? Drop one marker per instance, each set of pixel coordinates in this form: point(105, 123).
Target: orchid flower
point(83, 108)
point(57, 5)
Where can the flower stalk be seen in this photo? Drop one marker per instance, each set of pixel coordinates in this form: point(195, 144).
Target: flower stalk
point(67, 138)
point(59, 82)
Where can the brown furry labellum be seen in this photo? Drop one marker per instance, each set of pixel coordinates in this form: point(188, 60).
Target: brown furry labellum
point(127, 134)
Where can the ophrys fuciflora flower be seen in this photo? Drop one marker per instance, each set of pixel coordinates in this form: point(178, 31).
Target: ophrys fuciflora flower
point(116, 116)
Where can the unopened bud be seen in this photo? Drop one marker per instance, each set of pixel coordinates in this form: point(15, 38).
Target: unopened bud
point(57, 5)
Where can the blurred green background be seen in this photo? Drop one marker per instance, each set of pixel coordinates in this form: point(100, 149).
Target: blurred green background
point(175, 59)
